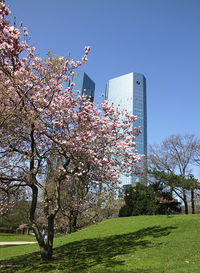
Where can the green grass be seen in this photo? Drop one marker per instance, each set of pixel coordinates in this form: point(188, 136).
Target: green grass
point(142, 244)
point(6, 237)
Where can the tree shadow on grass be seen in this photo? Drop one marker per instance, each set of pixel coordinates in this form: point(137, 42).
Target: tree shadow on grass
point(80, 256)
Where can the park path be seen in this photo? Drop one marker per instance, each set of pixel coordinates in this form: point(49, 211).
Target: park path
point(16, 243)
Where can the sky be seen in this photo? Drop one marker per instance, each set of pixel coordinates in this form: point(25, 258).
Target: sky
point(158, 38)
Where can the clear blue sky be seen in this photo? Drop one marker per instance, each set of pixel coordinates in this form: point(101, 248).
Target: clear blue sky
point(159, 38)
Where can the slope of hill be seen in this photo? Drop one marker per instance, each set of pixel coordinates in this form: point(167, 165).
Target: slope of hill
point(152, 244)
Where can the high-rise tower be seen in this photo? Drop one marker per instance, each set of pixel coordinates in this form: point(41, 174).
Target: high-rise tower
point(84, 84)
point(129, 91)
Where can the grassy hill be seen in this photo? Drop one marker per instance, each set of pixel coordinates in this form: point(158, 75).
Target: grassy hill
point(153, 244)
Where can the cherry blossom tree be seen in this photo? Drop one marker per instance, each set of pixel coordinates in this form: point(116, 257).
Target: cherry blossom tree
point(41, 115)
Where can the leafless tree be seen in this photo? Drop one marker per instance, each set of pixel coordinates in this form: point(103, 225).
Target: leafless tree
point(176, 154)
point(196, 158)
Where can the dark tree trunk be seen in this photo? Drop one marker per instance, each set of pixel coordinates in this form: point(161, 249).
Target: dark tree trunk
point(74, 223)
point(185, 202)
point(72, 227)
point(46, 247)
point(50, 236)
point(70, 223)
point(186, 207)
point(192, 201)
point(46, 255)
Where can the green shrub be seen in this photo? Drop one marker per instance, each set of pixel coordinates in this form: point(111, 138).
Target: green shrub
point(148, 200)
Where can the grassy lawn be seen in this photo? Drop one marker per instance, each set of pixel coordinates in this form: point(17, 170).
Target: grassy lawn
point(142, 244)
point(6, 237)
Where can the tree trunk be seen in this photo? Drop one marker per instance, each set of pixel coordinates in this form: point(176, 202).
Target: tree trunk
point(46, 254)
point(50, 236)
point(70, 223)
point(186, 206)
point(192, 201)
point(185, 202)
point(46, 248)
point(74, 223)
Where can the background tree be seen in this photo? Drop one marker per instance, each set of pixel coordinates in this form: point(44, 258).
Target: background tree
point(42, 116)
point(10, 196)
point(76, 199)
point(81, 203)
point(177, 185)
point(108, 206)
point(148, 200)
point(196, 157)
point(175, 155)
point(166, 204)
point(16, 216)
point(139, 200)
point(193, 186)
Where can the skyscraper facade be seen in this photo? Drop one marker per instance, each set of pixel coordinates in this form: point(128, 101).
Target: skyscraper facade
point(129, 91)
point(84, 84)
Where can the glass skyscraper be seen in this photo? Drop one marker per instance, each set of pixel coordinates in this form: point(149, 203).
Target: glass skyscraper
point(84, 84)
point(129, 91)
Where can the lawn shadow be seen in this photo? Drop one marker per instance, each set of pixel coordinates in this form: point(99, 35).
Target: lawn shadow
point(80, 256)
